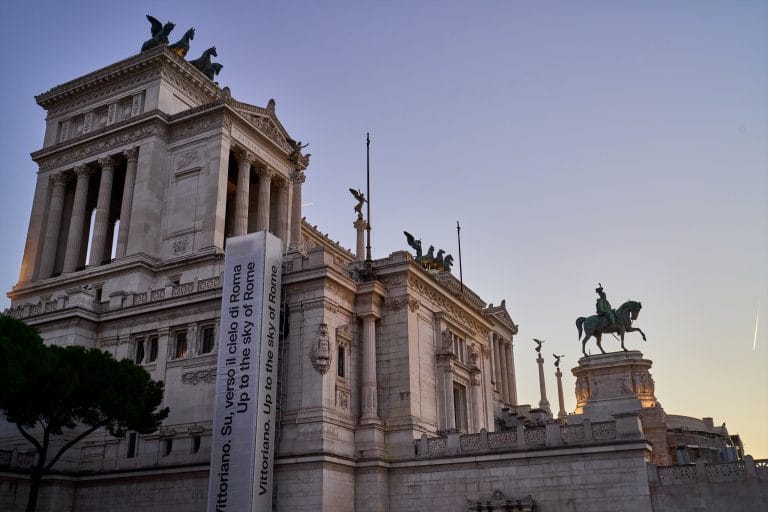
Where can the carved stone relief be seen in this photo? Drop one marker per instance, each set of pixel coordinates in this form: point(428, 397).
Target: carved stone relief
point(320, 353)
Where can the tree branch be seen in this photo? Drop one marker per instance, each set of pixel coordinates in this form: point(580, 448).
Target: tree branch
point(29, 438)
point(69, 445)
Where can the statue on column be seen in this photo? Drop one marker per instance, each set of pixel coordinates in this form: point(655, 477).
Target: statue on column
point(538, 346)
point(557, 360)
point(415, 244)
point(358, 194)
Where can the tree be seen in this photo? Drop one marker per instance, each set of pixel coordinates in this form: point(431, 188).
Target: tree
point(45, 389)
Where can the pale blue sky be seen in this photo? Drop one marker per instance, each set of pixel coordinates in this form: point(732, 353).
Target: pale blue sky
point(577, 142)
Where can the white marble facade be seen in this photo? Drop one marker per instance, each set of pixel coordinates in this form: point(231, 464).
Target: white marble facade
point(389, 389)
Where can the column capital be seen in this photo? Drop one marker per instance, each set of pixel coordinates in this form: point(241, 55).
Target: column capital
point(83, 170)
point(281, 183)
point(60, 177)
point(266, 172)
point(131, 154)
point(298, 176)
point(107, 163)
point(244, 156)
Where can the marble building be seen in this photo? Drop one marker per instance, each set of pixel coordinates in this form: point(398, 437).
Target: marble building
point(396, 393)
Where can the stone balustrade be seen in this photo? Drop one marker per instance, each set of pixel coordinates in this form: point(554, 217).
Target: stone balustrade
point(117, 301)
point(529, 438)
point(709, 472)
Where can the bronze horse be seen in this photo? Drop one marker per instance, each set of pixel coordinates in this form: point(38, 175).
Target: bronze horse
point(596, 325)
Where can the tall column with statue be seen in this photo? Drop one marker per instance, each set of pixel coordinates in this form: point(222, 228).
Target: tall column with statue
point(561, 413)
point(543, 403)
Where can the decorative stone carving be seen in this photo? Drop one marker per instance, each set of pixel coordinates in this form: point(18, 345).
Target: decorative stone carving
point(298, 177)
point(187, 159)
point(342, 398)
point(196, 377)
point(498, 501)
point(320, 353)
point(445, 304)
point(180, 246)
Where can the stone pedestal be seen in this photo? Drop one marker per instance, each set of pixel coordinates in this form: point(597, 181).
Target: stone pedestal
point(617, 382)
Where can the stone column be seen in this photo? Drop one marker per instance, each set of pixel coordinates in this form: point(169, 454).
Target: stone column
point(281, 224)
point(493, 357)
point(75, 236)
point(360, 226)
point(543, 403)
point(132, 156)
point(510, 375)
point(497, 365)
point(244, 160)
point(54, 225)
point(561, 413)
point(297, 179)
point(503, 384)
point(265, 184)
point(450, 407)
point(370, 412)
point(100, 225)
point(477, 400)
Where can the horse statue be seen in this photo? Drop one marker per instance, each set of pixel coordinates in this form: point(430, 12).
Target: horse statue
point(448, 263)
point(181, 47)
point(159, 33)
point(204, 65)
point(597, 325)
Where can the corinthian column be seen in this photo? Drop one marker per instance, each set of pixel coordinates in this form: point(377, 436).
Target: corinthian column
point(262, 211)
point(543, 403)
point(75, 237)
point(504, 381)
point(132, 155)
point(101, 222)
point(244, 160)
point(297, 179)
point(512, 387)
point(54, 225)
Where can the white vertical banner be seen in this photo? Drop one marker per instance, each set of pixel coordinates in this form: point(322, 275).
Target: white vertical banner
point(243, 445)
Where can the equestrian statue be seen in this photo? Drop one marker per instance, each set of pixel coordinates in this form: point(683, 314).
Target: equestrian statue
point(608, 320)
point(204, 64)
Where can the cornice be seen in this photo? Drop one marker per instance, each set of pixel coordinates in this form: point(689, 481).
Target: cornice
point(154, 60)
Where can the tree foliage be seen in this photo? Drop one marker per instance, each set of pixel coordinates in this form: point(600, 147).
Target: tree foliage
point(45, 389)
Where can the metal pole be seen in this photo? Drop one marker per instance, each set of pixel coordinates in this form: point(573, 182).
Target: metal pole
point(461, 273)
point(368, 195)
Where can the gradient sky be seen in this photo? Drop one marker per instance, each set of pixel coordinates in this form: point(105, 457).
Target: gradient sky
point(577, 142)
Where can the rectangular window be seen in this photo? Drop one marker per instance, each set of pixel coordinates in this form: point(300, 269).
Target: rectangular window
point(208, 340)
point(152, 349)
point(460, 407)
point(340, 363)
point(139, 350)
point(195, 444)
point(167, 447)
point(181, 345)
point(131, 453)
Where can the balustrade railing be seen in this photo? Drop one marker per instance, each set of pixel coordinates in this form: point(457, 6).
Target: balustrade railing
point(709, 472)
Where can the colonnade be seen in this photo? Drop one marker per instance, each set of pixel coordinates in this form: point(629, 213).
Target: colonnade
point(264, 204)
point(503, 368)
point(77, 231)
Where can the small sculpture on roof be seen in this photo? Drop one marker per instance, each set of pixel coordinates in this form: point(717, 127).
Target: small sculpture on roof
point(204, 64)
point(181, 47)
point(159, 33)
point(557, 359)
point(538, 345)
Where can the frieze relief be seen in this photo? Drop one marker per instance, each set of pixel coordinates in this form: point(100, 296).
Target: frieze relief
point(187, 159)
point(447, 305)
point(111, 90)
point(196, 377)
point(198, 126)
point(342, 398)
point(182, 84)
point(87, 151)
point(181, 246)
point(320, 352)
point(320, 430)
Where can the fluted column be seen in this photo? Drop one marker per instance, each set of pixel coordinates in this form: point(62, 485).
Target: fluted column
point(543, 403)
point(132, 156)
point(297, 179)
point(244, 161)
point(503, 384)
point(262, 209)
point(360, 226)
point(281, 224)
point(561, 413)
point(54, 225)
point(496, 363)
point(510, 375)
point(101, 223)
point(477, 400)
point(75, 237)
point(370, 407)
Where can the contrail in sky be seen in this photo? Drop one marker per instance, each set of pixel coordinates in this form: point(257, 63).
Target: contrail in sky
point(757, 322)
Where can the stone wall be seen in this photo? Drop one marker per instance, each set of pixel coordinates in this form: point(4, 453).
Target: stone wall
point(719, 487)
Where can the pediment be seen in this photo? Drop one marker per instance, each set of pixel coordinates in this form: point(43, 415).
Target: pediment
point(265, 120)
point(501, 315)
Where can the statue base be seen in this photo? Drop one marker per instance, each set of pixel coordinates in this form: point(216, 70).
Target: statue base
point(612, 383)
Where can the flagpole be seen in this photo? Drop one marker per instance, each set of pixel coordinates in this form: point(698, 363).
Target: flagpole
point(368, 195)
point(461, 273)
